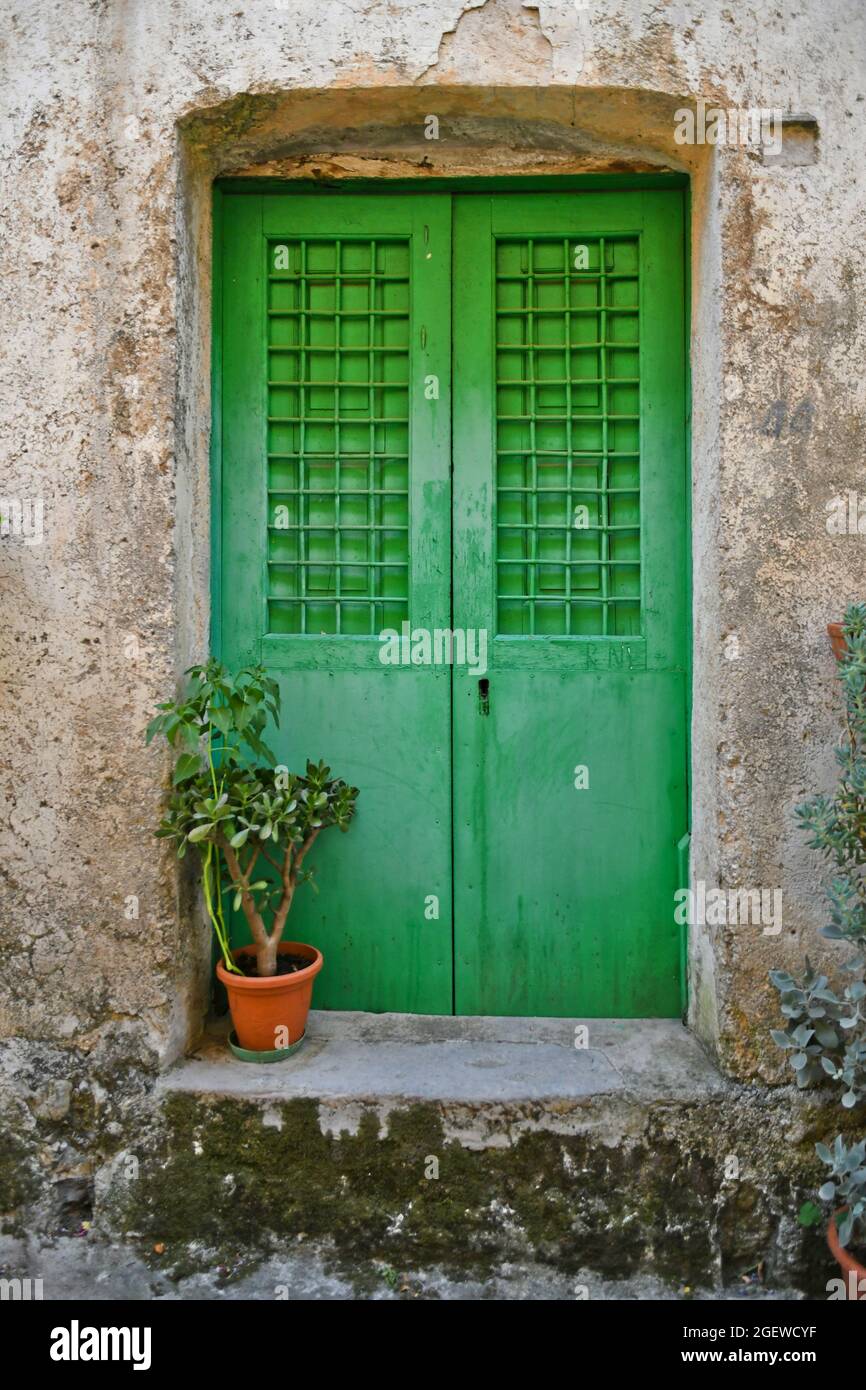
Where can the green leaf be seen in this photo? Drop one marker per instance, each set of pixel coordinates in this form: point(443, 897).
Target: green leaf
point(221, 718)
point(260, 748)
point(810, 1214)
point(201, 832)
point(191, 735)
point(154, 727)
point(170, 727)
point(188, 764)
point(781, 979)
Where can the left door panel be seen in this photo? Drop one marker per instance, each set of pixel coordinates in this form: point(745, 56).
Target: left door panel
point(334, 500)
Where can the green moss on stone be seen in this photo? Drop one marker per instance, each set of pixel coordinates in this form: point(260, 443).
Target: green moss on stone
point(216, 1177)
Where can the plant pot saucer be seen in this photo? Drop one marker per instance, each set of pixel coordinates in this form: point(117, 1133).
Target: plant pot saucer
point(277, 1054)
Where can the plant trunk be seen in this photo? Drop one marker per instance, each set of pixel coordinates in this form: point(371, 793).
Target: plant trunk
point(266, 958)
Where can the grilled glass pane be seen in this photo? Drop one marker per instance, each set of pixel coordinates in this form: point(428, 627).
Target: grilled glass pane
point(338, 435)
point(568, 435)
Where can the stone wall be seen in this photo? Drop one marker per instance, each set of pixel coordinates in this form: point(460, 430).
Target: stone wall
point(120, 114)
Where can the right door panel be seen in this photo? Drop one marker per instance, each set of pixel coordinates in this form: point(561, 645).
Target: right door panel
point(570, 765)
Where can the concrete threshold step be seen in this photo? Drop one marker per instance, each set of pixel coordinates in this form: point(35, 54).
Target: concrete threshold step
point(408, 1057)
point(463, 1142)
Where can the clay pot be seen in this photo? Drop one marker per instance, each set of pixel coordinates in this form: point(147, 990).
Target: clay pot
point(851, 1268)
point(270, 1013)
point(837, 640)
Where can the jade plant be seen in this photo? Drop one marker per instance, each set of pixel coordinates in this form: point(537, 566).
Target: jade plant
point(238, 808)
point(825, 1028)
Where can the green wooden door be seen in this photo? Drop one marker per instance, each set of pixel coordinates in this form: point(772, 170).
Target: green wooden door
point(570, 547)
point(335, 526)
point(515, 849)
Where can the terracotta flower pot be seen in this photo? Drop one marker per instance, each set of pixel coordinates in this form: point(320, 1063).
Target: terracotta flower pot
point(837, 640)
point(272, 1012)
point(853, 1271)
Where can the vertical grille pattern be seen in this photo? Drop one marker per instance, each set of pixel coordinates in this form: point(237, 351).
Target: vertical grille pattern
point(338, 435)
point(568, 477)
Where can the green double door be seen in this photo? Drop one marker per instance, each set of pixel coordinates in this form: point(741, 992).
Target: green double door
point(451, 520)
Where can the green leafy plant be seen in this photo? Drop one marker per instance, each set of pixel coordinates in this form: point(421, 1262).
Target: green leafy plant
point(845, 1189)
point(238, 808)
point(837, 824)
point(820, 1035)
point(824, 1034)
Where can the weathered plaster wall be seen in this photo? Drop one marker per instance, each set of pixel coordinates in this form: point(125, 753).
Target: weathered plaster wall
point(119, 115)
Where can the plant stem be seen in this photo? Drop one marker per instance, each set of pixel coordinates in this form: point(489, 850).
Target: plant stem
point(216, 922)
point(220, 929)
